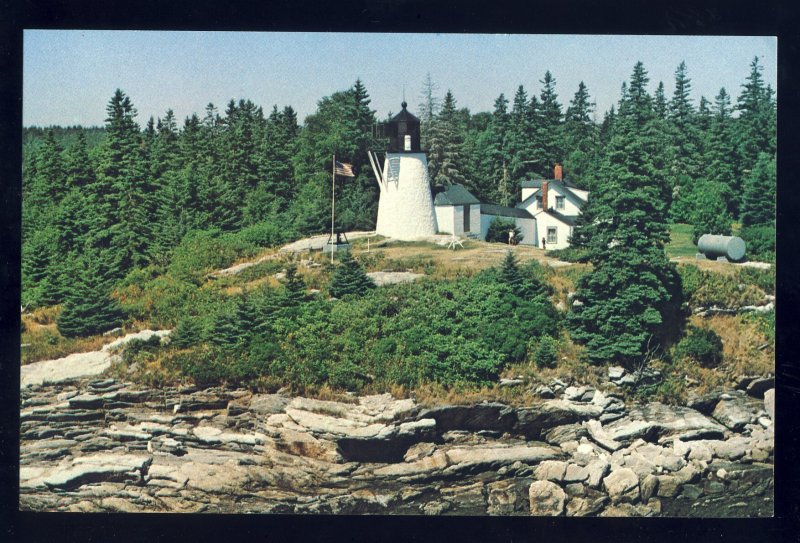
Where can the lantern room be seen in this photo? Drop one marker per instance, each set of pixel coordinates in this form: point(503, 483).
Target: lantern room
point(401, 132)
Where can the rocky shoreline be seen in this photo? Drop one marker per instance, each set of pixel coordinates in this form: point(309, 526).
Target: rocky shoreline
point(103, 445)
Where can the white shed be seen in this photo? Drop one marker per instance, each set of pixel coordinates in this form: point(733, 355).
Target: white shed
point(458, 212)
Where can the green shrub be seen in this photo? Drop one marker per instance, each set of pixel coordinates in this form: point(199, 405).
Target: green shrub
point(499, 229)
point(570, 254)
point(763, 279)
point(162, 301)
point(203, 251)
point(137, 349)
point(702, 288)
point(263, 234)
point(204, 367)
point(760, 242)
point(546, 353)
point(702, 345)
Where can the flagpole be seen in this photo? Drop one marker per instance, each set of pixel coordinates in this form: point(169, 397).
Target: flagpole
point(333, 206)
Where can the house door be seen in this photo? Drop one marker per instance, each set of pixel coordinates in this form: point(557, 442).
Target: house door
point(466, 218)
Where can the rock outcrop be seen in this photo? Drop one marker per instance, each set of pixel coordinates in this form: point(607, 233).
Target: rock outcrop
point(104, 445)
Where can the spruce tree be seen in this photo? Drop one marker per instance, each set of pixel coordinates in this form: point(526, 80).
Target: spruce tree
point(510, 274)
point(526, 155)
point(629, 296)
point(719, 153)
point(684, 142)
point(428, 111)
point(349, 278)
point(123, 203)
point(88, 309)
point(550, 125)
point(756, 124)
point(187, 333)
point(226, 332)
point(758, 201)
point(580, 138)
point(710, 214)
point(295, 286)
point(660, 101)
point(446, 162)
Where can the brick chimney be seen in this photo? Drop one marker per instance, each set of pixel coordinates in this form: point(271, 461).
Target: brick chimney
point(545, 184)
point(558, 173)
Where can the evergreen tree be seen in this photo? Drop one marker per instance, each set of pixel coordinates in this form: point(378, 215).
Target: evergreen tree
point(710, 214)
point(758, 201)
point(511, 276)
point(124, 204)
point(295, 286)
point(349, 278)
point(660, 101)
point(630, 295)
point(48, 184)
point(756, 125)
point(428, 111)
point(719, 153)
point(188, 332)
point(336, 128)
point(78, 167)
point(550, 125)
point(526, 155)
point(88, 309)
point(39, 270)
point(446, 161)
point(499, 158)
point(684, 139)
point(581, 138)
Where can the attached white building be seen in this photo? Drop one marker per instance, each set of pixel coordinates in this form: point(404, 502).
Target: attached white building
point(555, 204)
point(545, 217)
point(460, 213)
point(520, 217)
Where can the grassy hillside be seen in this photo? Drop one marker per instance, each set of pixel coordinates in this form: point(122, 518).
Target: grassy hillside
point(451, 335)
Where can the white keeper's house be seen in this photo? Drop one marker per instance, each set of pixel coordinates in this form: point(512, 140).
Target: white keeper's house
point(545, 216)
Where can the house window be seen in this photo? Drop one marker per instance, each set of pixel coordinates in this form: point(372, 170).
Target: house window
point(466, 218)
point(538, 202)
point(551, 235)
point(559, 202)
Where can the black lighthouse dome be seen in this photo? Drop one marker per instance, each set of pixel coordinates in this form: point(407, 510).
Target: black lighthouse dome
point(403, 132)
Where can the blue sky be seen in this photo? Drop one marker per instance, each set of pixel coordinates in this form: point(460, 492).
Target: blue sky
point(69, 76)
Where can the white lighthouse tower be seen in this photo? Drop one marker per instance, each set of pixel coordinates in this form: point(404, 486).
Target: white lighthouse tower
point(405, 209)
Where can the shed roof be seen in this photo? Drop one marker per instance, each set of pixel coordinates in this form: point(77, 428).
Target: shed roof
point(454, 195)
point(501, 211)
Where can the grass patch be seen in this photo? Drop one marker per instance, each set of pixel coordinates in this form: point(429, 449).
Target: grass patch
point(680, 241)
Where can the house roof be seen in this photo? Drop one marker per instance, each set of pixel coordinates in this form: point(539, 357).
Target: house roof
point(454, 195)
point(537, 183)
point(564, 186)
point(569, 220)
point(501, 211)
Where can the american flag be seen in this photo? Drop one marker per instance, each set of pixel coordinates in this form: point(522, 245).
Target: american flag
point(344, 169)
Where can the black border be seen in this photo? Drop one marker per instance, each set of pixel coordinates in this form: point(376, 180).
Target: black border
point(713, 17)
